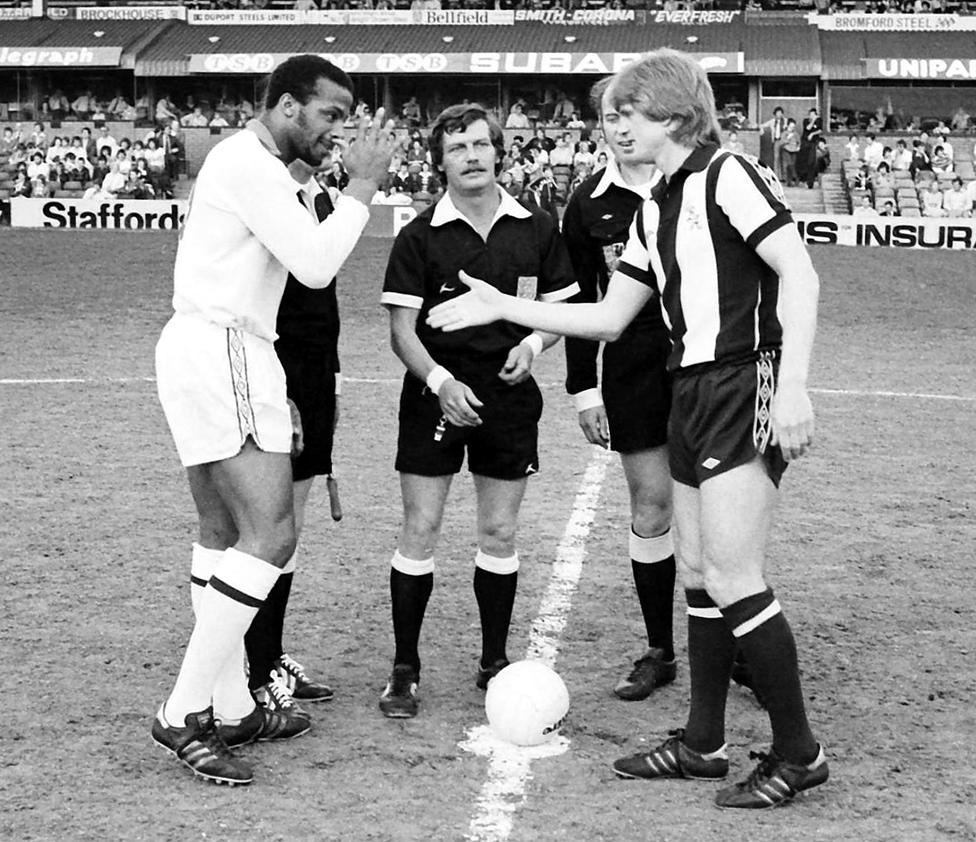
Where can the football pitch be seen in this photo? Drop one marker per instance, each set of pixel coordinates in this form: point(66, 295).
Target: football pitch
point(872, 560)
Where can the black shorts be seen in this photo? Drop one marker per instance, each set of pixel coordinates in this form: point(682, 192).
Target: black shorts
point(720, 420)
point(636, 390)
point(310, 377)
point(504, 446)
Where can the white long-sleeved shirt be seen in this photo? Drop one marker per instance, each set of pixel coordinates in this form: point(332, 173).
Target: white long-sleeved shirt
point(245, 230)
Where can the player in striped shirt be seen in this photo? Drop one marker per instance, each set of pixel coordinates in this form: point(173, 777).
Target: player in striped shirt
point(717, 243)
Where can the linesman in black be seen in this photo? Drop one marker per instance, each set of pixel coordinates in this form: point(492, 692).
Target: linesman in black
point(308, 348)
point(628, 410)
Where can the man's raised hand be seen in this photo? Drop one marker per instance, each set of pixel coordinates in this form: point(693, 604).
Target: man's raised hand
point(368, 156)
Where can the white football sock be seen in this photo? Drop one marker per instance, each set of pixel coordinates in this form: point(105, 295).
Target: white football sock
point(238, 586)
point(232, 700)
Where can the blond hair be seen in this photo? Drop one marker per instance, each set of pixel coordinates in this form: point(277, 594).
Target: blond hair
point(669, 85)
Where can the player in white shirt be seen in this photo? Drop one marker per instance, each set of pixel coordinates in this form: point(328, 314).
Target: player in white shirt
point(223, 389)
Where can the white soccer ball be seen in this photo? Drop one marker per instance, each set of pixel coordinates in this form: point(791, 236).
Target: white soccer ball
point(526, 703)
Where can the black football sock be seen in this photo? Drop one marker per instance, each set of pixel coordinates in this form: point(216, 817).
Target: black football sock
point(495, 584)
point(652, 562)
point(711, 649)
point(409, 593)
point(765, 637)
point(262, 641)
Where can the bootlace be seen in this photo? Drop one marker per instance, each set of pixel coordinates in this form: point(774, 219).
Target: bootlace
point(642, 665)
point(294, 668)
point(212, 740)
point(279, 691)
point(762, 772)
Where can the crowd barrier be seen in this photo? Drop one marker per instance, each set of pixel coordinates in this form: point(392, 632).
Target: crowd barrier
point(158, 215)
point(891, 231)
point(387, 220)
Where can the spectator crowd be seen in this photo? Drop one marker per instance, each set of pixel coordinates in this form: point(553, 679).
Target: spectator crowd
point(537, 168)
point(553, 151)
point(921, 179)
point(90, 164)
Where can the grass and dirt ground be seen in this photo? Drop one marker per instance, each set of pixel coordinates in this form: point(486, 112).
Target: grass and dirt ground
point(873, 561)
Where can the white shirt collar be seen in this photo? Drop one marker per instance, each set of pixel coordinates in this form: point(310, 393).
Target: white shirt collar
point(446, 211)
point(264, 135)
point(611, 175)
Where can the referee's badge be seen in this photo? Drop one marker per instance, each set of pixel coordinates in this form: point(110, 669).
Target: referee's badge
point(528, 286)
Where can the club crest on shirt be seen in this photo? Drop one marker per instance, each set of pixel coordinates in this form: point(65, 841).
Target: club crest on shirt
point(611, 256)
point(693, 218)
point(769, 178)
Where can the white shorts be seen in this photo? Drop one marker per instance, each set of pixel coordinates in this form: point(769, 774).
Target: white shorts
point(219, 386)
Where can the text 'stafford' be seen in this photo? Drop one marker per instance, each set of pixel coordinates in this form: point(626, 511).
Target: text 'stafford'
point(132, 215)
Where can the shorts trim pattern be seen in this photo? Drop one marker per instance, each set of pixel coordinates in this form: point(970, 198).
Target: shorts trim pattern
point(237, 356)
point(765, 388)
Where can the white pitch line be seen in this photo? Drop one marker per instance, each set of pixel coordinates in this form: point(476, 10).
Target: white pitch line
point(509, 767)
point(858, 393)
point(389, 381)
point(48, 381)
point(56, 381)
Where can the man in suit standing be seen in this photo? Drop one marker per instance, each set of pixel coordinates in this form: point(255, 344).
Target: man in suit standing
point(775, 128)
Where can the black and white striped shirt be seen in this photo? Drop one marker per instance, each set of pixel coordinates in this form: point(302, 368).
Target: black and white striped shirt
point(694, 242)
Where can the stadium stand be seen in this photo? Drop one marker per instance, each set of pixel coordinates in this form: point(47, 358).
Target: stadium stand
point(911, 190)
point(761, 54)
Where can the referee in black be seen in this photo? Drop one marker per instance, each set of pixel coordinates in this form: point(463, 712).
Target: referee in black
point(308, 348)
point(469, 392)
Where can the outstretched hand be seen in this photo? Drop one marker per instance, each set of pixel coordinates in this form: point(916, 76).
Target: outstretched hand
point(480, 306)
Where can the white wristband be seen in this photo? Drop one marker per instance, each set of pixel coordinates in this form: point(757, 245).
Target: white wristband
point(587, 399)
point(534, 342)
point(338, 381)
point(438, 377)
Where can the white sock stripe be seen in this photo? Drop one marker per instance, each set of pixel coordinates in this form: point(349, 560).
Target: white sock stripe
point(714, 613)
point(203, 561)
point(821, 758)
point(719, 753)
point(493, 564)
point(247, 573)
point(769, 611)
point(410, 566)
point(651, 550)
